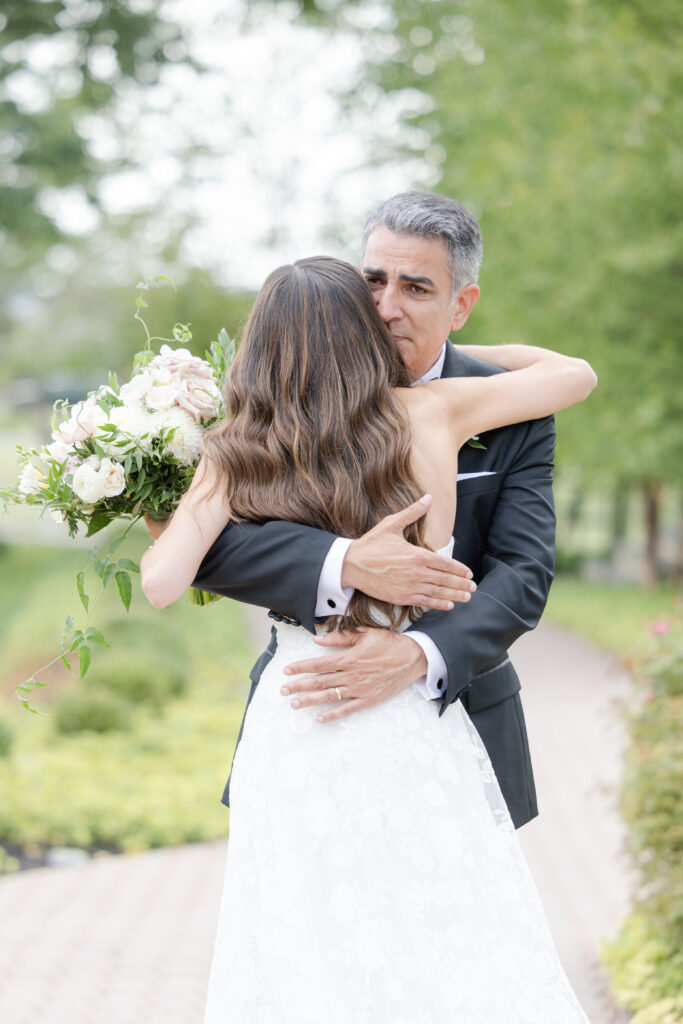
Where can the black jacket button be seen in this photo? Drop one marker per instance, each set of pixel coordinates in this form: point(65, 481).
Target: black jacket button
point(331, 603)
point(439, 684)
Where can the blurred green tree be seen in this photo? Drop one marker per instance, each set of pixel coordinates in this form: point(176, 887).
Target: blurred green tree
point(560, 125)
point(61, 61)
point(65, 64)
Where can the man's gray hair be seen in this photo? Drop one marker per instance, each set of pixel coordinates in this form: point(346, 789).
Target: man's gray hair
point(429, 215)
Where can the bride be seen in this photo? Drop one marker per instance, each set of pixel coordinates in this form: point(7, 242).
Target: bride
point(373, 871)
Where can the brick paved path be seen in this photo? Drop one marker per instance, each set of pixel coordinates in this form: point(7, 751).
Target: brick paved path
point(572, 695)
point(127, 940)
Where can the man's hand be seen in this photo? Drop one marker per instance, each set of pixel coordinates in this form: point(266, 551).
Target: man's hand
point(369, 667)
point(384, 565)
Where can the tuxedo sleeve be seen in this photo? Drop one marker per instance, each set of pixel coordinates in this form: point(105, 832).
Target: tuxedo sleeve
point(517, 569)
point(275, 565)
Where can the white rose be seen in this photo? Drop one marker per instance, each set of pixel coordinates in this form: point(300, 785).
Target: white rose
point(92, 416)
point(59, 451)
point(57, 516)
point(136, 388)
point(161, 375)
point(86, 417)
point(87, 484)
point(186, 443)
point(71, 430)
point(113, 478)
point(31, 480)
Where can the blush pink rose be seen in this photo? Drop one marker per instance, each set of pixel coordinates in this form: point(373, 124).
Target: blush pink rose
point(176, 359)
point(200, 397)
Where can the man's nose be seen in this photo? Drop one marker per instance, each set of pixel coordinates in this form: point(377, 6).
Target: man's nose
point(388, 304)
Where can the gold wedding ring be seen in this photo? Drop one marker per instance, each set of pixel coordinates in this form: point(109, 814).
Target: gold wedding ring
point(339, 696)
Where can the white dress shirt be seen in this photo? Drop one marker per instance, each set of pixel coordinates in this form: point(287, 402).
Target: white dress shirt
point(333, 599)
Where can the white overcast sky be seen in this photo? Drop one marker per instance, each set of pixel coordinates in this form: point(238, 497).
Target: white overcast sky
point(282, 164)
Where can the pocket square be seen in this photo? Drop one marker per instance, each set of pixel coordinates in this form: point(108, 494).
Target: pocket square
point(470, 476)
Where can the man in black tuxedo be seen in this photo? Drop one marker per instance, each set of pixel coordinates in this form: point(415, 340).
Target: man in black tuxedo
point(421, 256)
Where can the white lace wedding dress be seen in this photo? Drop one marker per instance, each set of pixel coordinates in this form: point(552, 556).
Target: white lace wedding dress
point(373, 873)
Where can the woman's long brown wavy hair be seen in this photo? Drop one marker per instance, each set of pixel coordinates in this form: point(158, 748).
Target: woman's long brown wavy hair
point(313, 432)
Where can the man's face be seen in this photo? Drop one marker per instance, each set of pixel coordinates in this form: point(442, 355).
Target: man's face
point(411, 283)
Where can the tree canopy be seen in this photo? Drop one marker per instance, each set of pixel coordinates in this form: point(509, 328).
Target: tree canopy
point(560, 126)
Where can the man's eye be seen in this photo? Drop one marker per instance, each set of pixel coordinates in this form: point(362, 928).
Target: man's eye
point(415, 288)
point(375, 282)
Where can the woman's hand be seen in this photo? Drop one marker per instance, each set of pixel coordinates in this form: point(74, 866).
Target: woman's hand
point(171, 564)
point(156, 527)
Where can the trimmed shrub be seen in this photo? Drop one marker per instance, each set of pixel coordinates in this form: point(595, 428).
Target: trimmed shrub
point(91, 709)
point(668, 1011)
point(158, 785)
point(140, 677)
point(8, 863)
point(646, 958)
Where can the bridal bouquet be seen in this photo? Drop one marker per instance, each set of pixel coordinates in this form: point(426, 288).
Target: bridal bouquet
point(125, 451)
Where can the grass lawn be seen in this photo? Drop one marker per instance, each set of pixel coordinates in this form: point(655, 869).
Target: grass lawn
point(614, 617)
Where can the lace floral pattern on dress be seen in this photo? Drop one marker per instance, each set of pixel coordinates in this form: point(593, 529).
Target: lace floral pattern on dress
point(374, 875)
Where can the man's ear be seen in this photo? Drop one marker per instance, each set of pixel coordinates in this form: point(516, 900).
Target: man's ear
point(464, 305)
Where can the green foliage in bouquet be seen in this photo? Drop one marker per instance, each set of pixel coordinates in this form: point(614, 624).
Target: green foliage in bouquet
point(646, 958)
point(127, 451)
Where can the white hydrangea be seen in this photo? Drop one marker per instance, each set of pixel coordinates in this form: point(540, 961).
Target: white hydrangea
point(186, 443)
point(136, 421)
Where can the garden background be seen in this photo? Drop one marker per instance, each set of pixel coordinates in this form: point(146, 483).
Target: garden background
point(213, 144)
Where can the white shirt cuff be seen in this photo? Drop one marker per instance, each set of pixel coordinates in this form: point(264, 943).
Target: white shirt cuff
point(333, 599)
point(434, 684)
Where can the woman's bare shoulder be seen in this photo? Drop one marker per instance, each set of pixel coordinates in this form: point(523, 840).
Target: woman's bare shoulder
point(422, 399)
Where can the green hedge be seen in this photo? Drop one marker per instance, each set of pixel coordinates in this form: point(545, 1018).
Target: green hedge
point(646, 959)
